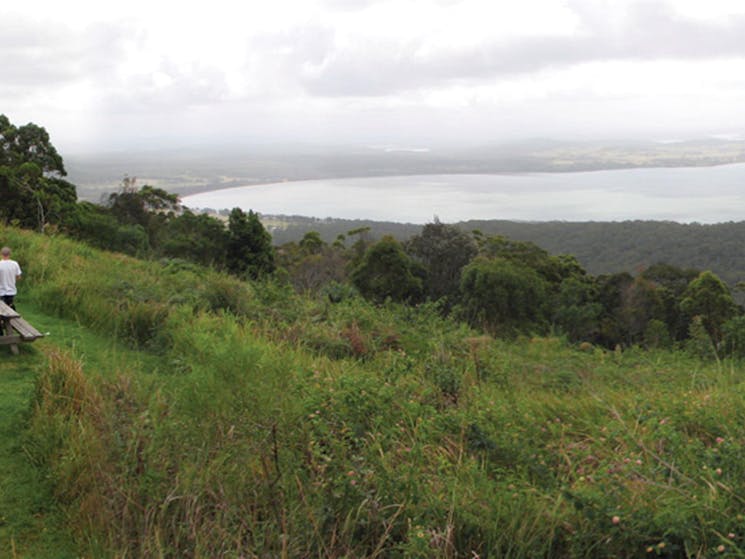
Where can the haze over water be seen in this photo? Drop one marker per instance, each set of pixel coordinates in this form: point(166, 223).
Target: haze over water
point(684, 194)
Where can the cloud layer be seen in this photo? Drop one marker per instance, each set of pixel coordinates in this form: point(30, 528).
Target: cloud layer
point(372, 70)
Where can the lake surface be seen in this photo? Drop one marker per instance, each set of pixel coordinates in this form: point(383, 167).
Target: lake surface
point(683, 194)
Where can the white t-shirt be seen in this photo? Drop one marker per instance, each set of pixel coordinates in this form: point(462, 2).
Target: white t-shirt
point(9, 271)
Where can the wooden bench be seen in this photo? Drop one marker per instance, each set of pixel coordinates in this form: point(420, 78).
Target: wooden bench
point(15, 329)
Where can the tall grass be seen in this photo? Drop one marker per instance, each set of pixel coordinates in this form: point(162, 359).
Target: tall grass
point(278, 426)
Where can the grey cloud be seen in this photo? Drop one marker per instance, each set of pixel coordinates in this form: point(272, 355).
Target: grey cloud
point(650, 31)
point(276, 60)
point(34, 54)
point(31, 55)
point(347, 5)
point(654, 31)
point(142, 93)
point(311, 43)
point(388, 70)
point(37, 57)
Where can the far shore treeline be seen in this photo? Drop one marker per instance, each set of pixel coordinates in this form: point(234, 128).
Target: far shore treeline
point(503, 286)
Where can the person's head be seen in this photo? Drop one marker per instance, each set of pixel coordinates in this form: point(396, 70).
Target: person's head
point(5, 252)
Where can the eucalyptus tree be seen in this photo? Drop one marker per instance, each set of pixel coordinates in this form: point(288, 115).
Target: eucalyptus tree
point(387, 272)
point(709, 298)
point(443, 250)
point(250, 252)
point(32, 187)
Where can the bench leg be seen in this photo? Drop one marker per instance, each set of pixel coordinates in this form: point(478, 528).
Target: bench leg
point(8, 329)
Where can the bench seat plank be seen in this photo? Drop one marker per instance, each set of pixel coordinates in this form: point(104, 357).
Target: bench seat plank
point(27, 332)
point(7, 312)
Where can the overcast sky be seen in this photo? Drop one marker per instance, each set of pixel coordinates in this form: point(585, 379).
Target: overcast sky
point(102, 75)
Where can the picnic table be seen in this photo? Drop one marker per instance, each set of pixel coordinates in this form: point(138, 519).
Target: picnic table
point(14, 330)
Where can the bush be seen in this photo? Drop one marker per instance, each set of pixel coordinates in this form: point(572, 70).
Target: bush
point(386, 272)
point(656, 335)
point(699, 342)
point(734, 337)
point(503, 297)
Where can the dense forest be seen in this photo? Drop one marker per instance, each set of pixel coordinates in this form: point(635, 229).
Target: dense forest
point(601, 247)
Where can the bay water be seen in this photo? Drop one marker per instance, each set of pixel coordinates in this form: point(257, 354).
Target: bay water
point(682, 194)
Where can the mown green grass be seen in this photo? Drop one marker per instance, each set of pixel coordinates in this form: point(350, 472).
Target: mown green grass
point(32, 525)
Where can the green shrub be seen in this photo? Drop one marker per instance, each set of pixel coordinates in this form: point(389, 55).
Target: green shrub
point(503, 297)
point(656, 335)
point(734, 336)
point(699, 342)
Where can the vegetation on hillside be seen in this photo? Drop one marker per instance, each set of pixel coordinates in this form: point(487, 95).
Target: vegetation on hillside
point(277, 425)
point(601, 247)
point(500, 285)
point(454, 395)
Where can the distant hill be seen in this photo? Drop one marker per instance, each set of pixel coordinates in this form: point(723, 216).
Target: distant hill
point(605, 247)
point(602, 247)
point(201, 169)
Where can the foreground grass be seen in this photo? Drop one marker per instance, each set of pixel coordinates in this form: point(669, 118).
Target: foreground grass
point(32, 525)
point(266, 425)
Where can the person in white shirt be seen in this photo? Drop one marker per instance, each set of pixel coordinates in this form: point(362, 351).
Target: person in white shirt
point(10, 271)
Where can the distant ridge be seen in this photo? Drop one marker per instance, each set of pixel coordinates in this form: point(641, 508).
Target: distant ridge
point(205, 168)
point(601, 247)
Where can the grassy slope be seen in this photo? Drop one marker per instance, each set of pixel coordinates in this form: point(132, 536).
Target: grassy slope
point(350, 431)
point(31, 525)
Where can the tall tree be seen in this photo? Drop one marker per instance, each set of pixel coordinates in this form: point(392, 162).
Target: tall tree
point(31, 188)
point(503, 297)
point(708, 297)
point(527, 254)
point(312, 263)
point(671, 282)
point(149, 206)
point(386, 271)
point(641, 302)
point(199, 238)
point(360, 245)
point(28, 144)
point(611, 289)
point(575, 308)
point(311, 243)
point(249, 252)
point(443, 250)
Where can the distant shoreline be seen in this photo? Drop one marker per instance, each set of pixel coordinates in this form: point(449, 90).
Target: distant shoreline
point(191, 191)
point(194, 171)
point(704, 194)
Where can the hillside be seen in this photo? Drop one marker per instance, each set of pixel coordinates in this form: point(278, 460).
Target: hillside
point(260, 423)
point(601, 247)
